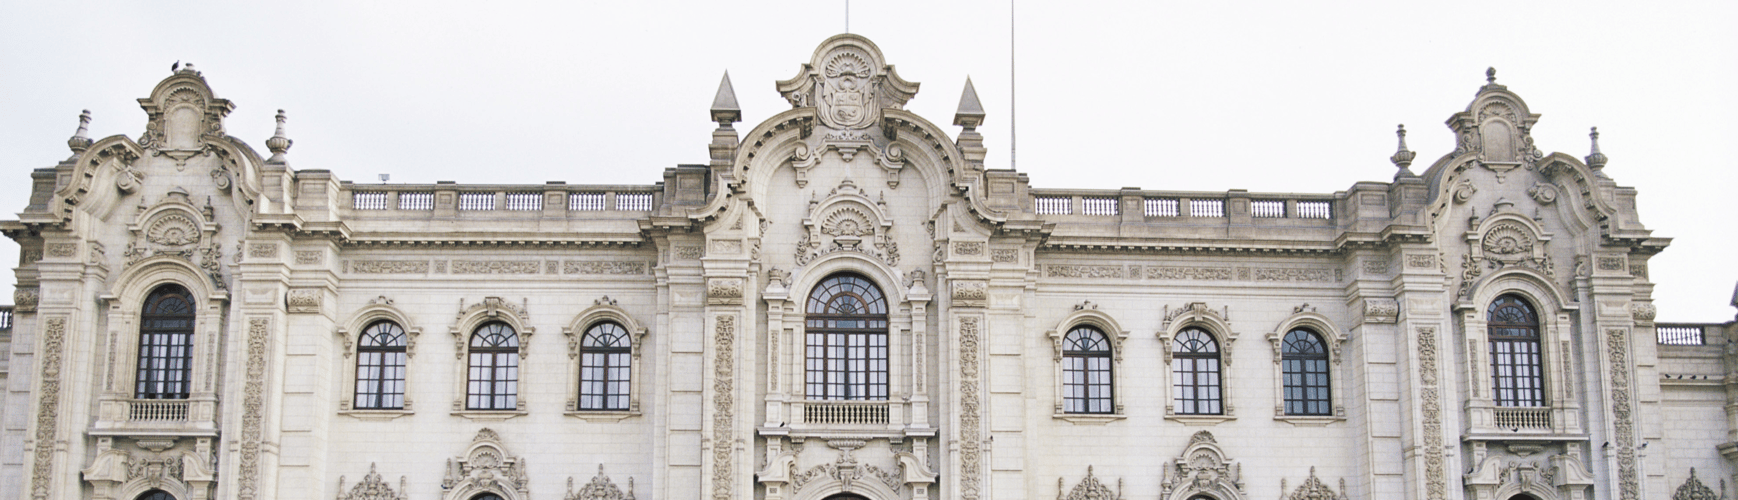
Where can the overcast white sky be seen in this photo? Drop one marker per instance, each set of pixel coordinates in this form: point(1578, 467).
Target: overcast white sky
point(1209, 96)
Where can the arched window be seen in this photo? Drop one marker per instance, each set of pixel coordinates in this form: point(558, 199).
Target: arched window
point(1195, 373)
point(1304, 362)
point(847, 340)
point(380, 367)
point(494, 377)
point(156, 495)
point(165, 344)
point(605, 355)
point(1516, 368)
point(1086, 382)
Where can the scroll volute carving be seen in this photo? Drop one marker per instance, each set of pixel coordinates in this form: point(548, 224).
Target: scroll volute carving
point(1509, 238)
point(1202, 468)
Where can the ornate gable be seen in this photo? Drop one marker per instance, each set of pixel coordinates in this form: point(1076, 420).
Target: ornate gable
point(1202, 468)
point(600, 488)
point(486, 467)
point(1089, 489)
point(847, 221)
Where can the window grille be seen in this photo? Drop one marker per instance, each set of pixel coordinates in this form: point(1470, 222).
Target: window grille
point(380, 357)
point(1086, 372)
point(1304, 365)
point(415, 201)
point(1100, 206)
point(476, 201)
point(585, 201)
point(1315, 210)
point(1195, 374)
point(165, 344)
point(368, 200)
point(1681, 335)
point(846, 356)
point(1207, 208)
point(525, 201)
point(1267, 209)
point(1053, 205)
point(634, 201)
point(1517, 377)
point(494, 369)
point(605, 368)
point(1161, 207)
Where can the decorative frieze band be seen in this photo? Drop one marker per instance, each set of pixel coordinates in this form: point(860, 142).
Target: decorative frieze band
point(496, 266)
point(1194, 273)
point(310, 257)
point(603, 267)
point(304, 300)
point(387, 266)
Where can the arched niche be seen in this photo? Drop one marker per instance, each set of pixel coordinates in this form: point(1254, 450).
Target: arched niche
point(1306, 317)
point(604, 310)
point(348, 331)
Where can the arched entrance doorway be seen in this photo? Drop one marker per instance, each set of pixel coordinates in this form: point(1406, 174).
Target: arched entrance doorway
point(847, 496)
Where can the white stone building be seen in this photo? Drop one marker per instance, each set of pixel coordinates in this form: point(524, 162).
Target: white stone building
point(844, 303)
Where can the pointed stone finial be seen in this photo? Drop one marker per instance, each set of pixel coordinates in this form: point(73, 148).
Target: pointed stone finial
point(1491, 75)
point(1595, 160)
point(971, 112)
point(279, 143)
point(81, 140)
point(1402, 157)
point(725, 111)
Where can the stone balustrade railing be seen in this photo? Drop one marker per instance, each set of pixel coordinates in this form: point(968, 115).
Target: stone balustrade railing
point(414, 200)
point(845, 412)
point(1162, 204)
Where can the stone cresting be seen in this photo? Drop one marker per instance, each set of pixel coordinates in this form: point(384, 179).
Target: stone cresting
point(600, 488)
point(1314, 489)
point(1693, 489)
point(48, 407)
point(1623, 422)
point(1436, 477)
point(1089, 489)
point(971, 418)
point(723, 406)
point(253, 409)
point(373, 487)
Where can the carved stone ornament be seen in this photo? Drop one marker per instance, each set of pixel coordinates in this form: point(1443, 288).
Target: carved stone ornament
point(846, 470)
point(724, 290)
point(304, 300)
point(723, 406)
point(1464, 190)
point(48, 408)
point(24, 300)
point(1202, 469)
point(1503, 240)
point(848, 222)
point(1381, 310)
point(1543, 193)
point(373, 487)
point(848, 83)
point(173, 230)
point(1197, 313)
point(162, 465)
point(492, 307)
point(1089, 489)
point(1557, 476)
point(970, 293)
point(1314, 489)
point(1693, 489)
point(600, 488)
point(1642, 311)
point(971, 413)
point(486, 467)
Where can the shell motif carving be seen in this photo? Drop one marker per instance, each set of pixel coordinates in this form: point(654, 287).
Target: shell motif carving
point(847, 99)
point(847, 222)
point(1508, 242)
point(173, 230)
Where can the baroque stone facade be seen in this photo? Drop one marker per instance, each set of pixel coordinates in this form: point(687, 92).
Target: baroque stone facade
point(195, 319)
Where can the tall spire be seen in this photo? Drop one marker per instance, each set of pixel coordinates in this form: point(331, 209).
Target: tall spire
point(81, 140)
point(725, 111)
point(279, 143)
point(969, 115)
point(1402, 157)
point(1596, 160)
point(971, 112)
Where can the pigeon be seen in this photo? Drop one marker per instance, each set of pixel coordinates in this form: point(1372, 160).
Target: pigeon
point(175, 67)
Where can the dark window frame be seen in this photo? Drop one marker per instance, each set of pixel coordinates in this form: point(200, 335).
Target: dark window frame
point(1306, 375)
point(1197, 373)
point(492, 381)
point(606, 368)
point(846, 340)
point(1088, 372)
point(1517, 355)
point(381, 360)
point(167, 323)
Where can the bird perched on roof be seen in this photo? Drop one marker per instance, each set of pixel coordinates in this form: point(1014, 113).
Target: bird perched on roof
point(175, 67)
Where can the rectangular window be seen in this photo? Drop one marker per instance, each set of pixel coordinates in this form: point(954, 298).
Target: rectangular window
point(846, 366)
point(379, 380)
point(494, 381)
point(1515, 369)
